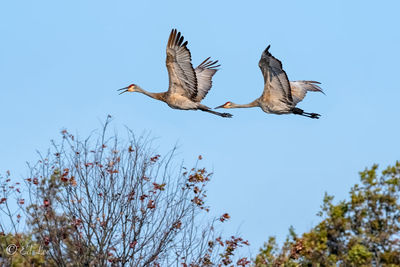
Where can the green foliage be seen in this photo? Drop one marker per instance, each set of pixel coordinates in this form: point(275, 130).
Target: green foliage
point(267, 253)
point(359, 255)
point(20, 250)
point(361, 231)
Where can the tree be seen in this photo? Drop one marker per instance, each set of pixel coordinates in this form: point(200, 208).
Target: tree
point(16, 249)
point(104, 202)
point(361, 231)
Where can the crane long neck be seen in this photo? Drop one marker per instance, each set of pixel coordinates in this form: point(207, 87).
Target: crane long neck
point(158, 96)
point(249, 105)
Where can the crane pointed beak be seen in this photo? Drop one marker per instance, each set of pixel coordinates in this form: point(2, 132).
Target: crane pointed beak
point(125, 88)
point(220, 106)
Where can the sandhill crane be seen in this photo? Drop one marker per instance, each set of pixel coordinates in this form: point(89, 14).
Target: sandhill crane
point(187, 86)
point(280, 96)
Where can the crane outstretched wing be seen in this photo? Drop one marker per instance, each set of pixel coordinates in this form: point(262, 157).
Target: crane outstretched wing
point(204, 73)
point(276, 83)
point(180, 69)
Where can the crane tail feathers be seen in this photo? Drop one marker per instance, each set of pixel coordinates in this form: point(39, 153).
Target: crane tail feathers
point(311, 86)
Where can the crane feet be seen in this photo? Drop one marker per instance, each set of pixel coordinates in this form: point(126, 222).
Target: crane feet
point(226, 115)
point(314, 115)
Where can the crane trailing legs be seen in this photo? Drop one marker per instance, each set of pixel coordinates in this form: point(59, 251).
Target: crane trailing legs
point(301, 112)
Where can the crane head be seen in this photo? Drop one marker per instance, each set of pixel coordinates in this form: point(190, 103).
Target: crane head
point(129, 88)
point(226, 105)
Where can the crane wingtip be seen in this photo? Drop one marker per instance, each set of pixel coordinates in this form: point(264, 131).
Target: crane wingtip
point(266, 51)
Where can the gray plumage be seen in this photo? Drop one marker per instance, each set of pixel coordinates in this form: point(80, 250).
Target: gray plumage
point(279, 95)
point(187, 86)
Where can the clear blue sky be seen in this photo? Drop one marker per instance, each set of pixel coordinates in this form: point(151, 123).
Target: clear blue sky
point(61, 63)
